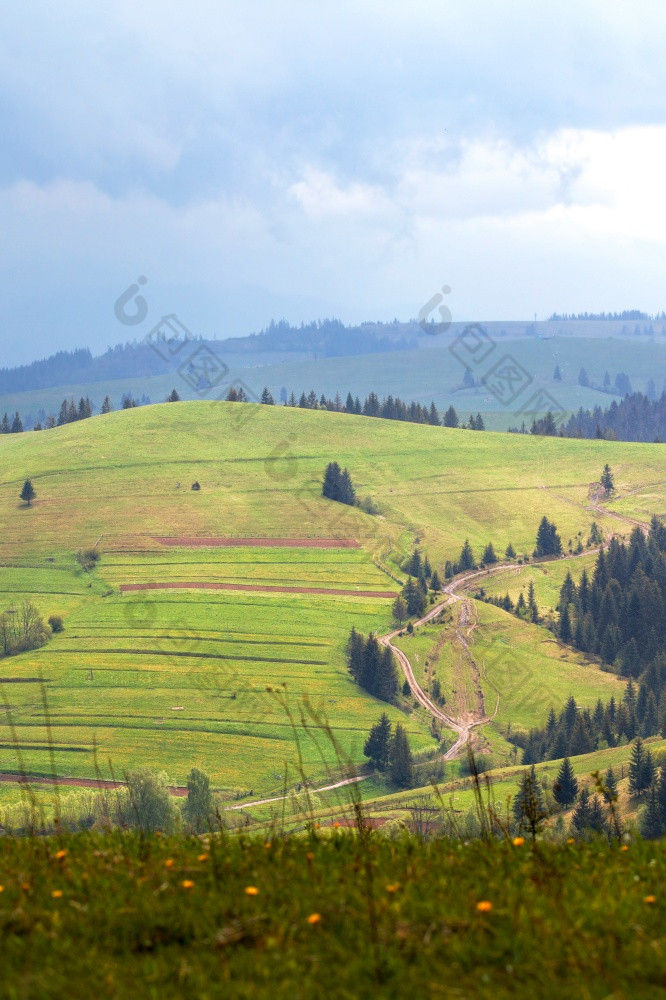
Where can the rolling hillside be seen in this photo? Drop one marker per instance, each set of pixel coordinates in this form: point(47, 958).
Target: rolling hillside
point(171, 642)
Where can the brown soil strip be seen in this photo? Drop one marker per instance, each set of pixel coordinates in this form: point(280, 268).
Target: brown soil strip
point(258, 589)
point(202, 541)
point(32, 779)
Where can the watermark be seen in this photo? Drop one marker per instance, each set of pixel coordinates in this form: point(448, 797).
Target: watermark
point(198, 366)
point(504, 376)
point(429, 325)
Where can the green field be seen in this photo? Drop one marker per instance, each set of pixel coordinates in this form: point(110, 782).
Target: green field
point(177, 678)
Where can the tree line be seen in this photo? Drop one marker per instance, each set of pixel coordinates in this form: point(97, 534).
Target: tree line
point(637, 417)
point(578, 730)
point(389, 408)
point(620, 614)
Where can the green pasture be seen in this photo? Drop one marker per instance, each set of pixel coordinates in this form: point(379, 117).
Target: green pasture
point(260, 470)
point(178, 678)
point(547, 578)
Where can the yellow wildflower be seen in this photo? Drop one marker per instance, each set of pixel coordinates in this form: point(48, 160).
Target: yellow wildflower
point(251, 890)
point(484, 906)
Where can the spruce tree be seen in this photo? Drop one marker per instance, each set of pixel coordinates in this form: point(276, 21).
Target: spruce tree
point(638, 770)
point(28, 492)
point(399, 609)
point(466, 560)
point(607, 479)
point(528, 806)
point(565, 788)
point(451, 417)
point(435, 582)
point(580, 820)
point(650, 824)
point(378, 743)
point(489, 556)
point(400, 759)
point(510, 552)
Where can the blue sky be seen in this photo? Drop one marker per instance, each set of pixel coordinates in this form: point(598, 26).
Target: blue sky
point(303, 159)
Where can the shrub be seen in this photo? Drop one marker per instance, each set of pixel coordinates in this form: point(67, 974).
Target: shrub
point(55, 621)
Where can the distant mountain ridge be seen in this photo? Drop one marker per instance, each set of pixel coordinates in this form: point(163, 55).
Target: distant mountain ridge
point(328, 338)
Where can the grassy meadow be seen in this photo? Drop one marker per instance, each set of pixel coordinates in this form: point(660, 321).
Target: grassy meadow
point(178, 678)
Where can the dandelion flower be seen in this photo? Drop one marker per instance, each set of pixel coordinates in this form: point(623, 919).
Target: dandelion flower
point(336, 825)
point(650, 899)
point(625, 847)
point(61, 854)
point(393, 887)
point(202, 857)
point(484, 906)
point(169, 863)
point(187, 883)
point(2, 888)
point(314, 918)
point(518, 841)
point(251, 890)
point(570, 840)
point(57, 893)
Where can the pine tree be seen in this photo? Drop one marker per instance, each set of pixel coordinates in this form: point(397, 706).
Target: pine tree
point(528, 806)
point(565, 788)
point(640, 772)
point(489, 556)
point(466, 560)
point(331, 485)
point(531, 602)
point(378, 743)
point(557, 374)
point(661, 795)
point(435, 582)
point(266, 397)
point(399, 609)
point(510, 552)
point(565, 625)
point(387, 677)
point(355, 648)
point(173, 397)
point(607, 479)
point(6, 426)
point(28, 492)
point(17, 424)
point(650, 823)
point(580, 821)
point(107, 405)
point(610, 782)
point(451, 417)
point(400, 759)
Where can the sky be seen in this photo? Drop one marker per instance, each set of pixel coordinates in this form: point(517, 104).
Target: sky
point(303, 160)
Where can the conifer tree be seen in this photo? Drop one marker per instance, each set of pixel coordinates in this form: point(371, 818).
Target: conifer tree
point(400, 759)
point(451, 417)
point(565, 788)
point(528, 806)
point(399, 609)
point(28, 492)
point(435, 582)
point(378, 742)
point(650, 824)
point(510, 552)
point(466, 560)
point(641, 771)
point(489, 556)
point(580, 820)
point(607, 479)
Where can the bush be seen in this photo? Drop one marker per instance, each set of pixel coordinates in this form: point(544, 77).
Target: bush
point(87, 559)
point(55, 621)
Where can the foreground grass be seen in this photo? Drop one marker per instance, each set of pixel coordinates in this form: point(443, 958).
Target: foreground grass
point(120, 915)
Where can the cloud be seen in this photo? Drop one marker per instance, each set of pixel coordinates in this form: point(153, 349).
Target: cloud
point(294, 159)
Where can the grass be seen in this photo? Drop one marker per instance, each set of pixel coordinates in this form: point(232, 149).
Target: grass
point(176, 679)
point(121, 915)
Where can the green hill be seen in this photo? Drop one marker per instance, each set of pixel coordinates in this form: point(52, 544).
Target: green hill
point(178, 677)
